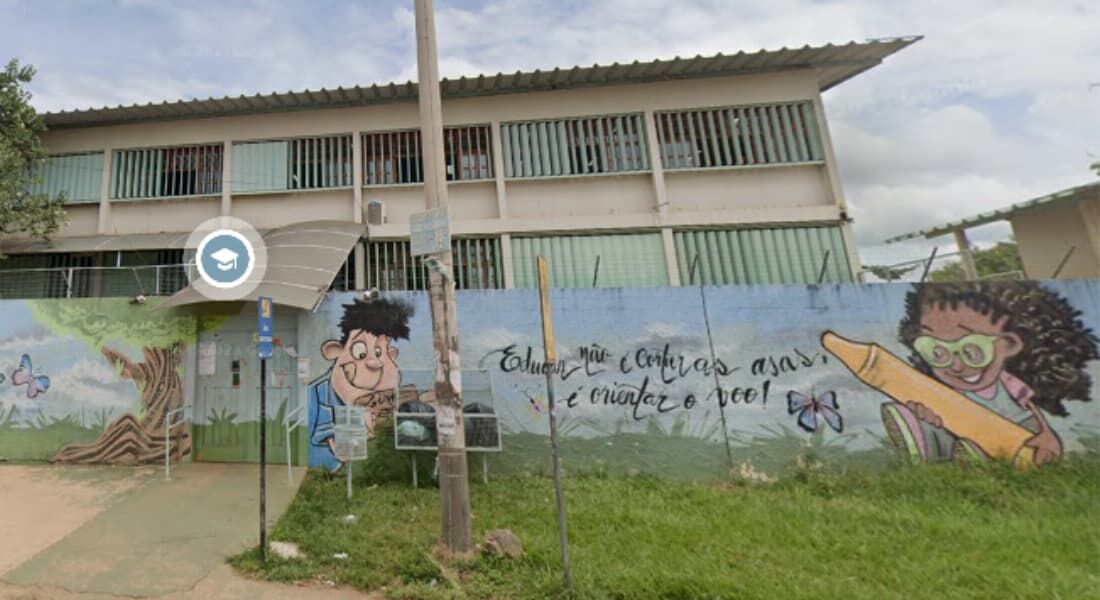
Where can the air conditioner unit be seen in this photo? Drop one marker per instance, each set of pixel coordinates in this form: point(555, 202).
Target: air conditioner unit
point(376, 212)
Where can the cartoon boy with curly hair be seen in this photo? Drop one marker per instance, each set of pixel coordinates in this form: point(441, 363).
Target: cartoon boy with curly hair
point(364, 372)
point(1012, 347)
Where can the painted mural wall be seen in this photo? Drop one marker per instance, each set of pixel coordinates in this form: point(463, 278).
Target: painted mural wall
point(91, 381)
point(753, 379)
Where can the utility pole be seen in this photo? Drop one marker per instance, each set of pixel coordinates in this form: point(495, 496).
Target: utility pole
point(454, 487)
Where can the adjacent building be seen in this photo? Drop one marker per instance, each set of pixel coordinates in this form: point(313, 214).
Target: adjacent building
point(1057, 235)
point(717, 169)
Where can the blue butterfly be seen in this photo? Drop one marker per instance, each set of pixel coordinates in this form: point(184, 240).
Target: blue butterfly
point(36, 384)
point(808, 407)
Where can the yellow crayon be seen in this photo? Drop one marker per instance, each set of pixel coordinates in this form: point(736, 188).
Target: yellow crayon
point(879, 368)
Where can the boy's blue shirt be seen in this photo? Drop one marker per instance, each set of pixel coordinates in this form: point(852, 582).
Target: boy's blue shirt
point(321, 402)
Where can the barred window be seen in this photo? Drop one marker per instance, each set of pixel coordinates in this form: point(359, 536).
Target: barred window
point(76, 176)
point(477, 265)
point(394, 157)
point(295, 164)
point(581, 146)
point(738, 136)
point(167, 172)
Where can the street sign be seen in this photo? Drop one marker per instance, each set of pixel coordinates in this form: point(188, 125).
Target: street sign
point(265, 311)
point(430, 232)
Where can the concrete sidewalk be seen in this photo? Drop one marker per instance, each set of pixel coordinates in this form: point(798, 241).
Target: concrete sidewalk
point(151, 537)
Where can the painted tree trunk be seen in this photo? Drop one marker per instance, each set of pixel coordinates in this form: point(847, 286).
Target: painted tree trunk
point(128, 440)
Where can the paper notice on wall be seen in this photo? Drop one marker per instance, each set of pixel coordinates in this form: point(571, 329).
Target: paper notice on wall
point(208, 355)
point(303, 368)
point(445, 420)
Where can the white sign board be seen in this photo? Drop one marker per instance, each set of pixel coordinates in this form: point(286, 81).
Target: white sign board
point(430, 232)
point(208, 358)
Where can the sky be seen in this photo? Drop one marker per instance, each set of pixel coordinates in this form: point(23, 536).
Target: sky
point(999, 103)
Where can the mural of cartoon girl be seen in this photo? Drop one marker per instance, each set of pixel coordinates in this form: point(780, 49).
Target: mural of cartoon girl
point(1014, 348)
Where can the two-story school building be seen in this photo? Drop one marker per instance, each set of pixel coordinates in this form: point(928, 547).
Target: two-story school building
point(635, 174)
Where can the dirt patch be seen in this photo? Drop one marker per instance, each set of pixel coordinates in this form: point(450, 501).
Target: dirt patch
point(42, 504)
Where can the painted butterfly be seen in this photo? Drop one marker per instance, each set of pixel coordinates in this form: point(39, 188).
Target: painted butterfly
point(808, 407)
point(533, 403)
point(24, 375)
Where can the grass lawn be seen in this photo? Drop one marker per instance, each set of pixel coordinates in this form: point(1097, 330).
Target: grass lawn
point(921, 532)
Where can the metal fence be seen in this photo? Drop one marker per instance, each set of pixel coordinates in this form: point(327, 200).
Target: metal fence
point(93, 282)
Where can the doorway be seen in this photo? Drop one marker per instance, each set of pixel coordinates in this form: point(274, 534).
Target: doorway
point(227, 394)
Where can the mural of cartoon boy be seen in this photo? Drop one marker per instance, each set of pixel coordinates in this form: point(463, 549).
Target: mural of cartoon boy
point(1011, 347)
point(364, 372)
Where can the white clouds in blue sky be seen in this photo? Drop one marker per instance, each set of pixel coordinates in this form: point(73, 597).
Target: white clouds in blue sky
point(992, 107)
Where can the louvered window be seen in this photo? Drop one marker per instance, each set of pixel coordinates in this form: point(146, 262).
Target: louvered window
point(739, 136)
point(394, 157)
point(779, 255)
point(616, 260)
point(583, 146)
point(167, 172)
point(297, 164)
point(76, 176)
point(391, 266)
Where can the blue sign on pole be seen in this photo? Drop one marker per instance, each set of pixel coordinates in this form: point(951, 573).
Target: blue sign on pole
point(265, 310)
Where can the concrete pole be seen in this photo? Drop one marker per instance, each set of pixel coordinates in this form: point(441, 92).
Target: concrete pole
point(967, 258)
point(454, 487)
point(360, 258)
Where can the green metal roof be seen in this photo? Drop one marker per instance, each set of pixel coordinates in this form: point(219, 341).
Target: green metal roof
point(1066, 196)
point(834, 64)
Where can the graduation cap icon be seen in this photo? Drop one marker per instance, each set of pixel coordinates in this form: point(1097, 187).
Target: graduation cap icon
point(225, 258)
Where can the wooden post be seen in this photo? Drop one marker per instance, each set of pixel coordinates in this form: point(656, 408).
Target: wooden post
point(551, 358)
point(454, 487)
point(965, 256)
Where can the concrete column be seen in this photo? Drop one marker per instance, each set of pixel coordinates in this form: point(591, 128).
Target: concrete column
point(227, 178)
point(498, 170)
point(660, 193)
point(360, 260)
point(830, 158)
point(670, 256)
point(965, 254)
point(849, 239)
point(506, 260)
point(103, 226)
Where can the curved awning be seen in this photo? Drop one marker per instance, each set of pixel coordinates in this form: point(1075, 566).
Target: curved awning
point(302, 261)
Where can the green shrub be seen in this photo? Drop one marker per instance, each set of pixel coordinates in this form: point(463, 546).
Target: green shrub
point(387, 465)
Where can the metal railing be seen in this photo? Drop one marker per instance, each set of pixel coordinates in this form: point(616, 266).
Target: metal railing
point(294, 418)
point(170, 421)
point(93, 282)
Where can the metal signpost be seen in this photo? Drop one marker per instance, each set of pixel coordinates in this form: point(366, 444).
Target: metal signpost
point(550, 351)
point(265, 311)
point(350, 436)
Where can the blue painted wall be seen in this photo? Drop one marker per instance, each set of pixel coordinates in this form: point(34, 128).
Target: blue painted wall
point(617, 346)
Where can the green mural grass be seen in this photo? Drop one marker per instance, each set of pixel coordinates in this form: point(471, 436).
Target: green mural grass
point(913, 531)
point(39, 439)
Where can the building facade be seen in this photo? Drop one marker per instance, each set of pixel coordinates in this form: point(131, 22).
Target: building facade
point(716, 169)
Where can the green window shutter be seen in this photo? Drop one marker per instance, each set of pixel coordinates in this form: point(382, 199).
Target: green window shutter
point(260, 166)
point(77, 176)
point(763, 256)
point(625, 260)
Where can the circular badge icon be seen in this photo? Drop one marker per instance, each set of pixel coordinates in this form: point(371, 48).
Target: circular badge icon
point(228, 258)
point(225, 259)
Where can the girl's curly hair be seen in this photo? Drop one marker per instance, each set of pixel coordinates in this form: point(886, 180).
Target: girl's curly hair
point(1057, 345)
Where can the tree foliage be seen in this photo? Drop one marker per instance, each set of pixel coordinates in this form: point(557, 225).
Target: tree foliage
point(1003, 257)
point(21, 156)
